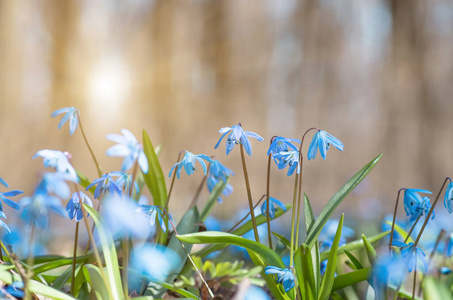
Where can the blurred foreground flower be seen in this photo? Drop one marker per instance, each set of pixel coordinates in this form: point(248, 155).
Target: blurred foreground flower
point(188, 162)
point(71, 115)
point(389, 269)
point(58, 161)
point(322, 140)
point(36, 209)
point(412, 256)
point(14, 290)
point(256, 293)
point(284, 276)
point(129, 148)
point(154, 261)
point(74, 207)
point(237, 136)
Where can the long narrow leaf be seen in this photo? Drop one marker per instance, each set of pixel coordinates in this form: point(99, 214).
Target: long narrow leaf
point(216, 192)
point(329, 275)
point(309, 221)
point(345, 280)
point(401, 231)
point(93, 276)
point(337, 199)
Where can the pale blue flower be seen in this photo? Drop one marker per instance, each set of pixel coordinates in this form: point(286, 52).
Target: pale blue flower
point(58, 161)
point(280, 144)
point(3, 224)
point(322, 141)
point(448, 198)
point(389, 269)
point(153, 211)
point(288, 158)
point(55, 183)
point(237, 136)
point(105, 184)
point(154, 261)
point(71, 115)
point(74, 207)
point(36, 209)
point(256, 293)
point(445, 271)
point(3, 183)
point(219, 171)
point(412, 256)
point(124, 181)
point(9, 202)
point(284, 276)
point(188, 162)
point(15, 290)
point(212, 181)
point(272, 208)
point(414, 204)
point(122, 217)
point(129, 148)
point(449, 249)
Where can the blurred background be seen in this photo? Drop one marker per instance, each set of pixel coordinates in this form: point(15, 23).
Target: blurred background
point(378, 75)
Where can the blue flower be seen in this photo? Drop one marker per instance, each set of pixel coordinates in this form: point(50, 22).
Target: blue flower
point(154, 261)
point(280, 144)
point(71, 115)
point(389, 269)
point(9, 202)
point(58, 161)
point(188, 162)
point(288, 158)
point(328, 233)
point(105, 184)
point(3, 224)
point(413, 256)
point(445, 271)
point(15, 289)
point(255, 293)
point(212, 181)
point(74, 208)
point(237, 136)
point(284, 276)
point(322, 140)
point(219, 171)
point(55, 183)
point(122, 217)
point(124, 181)
point(129, 148)
point(3, 183)
point(448, 198)
point(449, 249)
point(153, 211)
point(35, 209)
point(414, 204)
point(272, 208)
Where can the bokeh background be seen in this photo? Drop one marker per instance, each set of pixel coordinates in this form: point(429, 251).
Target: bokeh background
point(378, 75)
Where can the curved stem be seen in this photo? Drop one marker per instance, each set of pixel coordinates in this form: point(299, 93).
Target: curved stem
point(172, 183)
point(412, 229)
point(291, 250)
point(268, 217)
point(298, 205)
point(249, 195)
point(430, 213)
point(394, 218)
point(200, 187)
point(88, 145)
point(245, 217)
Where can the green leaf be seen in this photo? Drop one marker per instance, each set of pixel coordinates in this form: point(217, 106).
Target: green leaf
point(435, 290)
point(217, 237)
point(309, 216)
point(345, 280)
point(85, 182)
point(154, 179)
point(93, 276)
point(303, 264)
point(282, 239)
point(309, 221)
point(62, 279)
point(182, 292)
point(370, 251)
point(355, 245)
point(329, 275)
point(354, 260)
point(243, 229)
point(401, 231)
point(110, 256)
point(216, 192)
point(35, 286)
point(58, 263)
point(337, 199)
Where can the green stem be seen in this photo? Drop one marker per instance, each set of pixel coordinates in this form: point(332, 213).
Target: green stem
point(249, 195)
point(394, 218)
point(30, 260)
point(268, 217)
point(429, 214)
point(172, 183)
point(245, 217)
point(439, 238)
point(291, 250)
point(200, 187)
point(298, 206)
point(412, 229)
point(125, 246)
point(415, 281)
point(88, 145)
point(74, 257)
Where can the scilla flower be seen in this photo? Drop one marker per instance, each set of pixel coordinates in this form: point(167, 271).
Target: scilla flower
point(237, 136)
point(154, 261)
point(280, 144)
point(129, 148)
point(284, 276)
point(103, 185)
point(414, 204)
point(288, 158)
point(58, 161)
point(413, 256)
point(389, 269)
point(212, 181)
point(188, 162)
point(272, 209)
point(74, 207)
point(219, 171)
point(3, 224)
point(153, 211)
point(124, 181)
point(35, 209)
point(322, 141)
point(9, 202)
point(448, 199)
point(70, 115)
